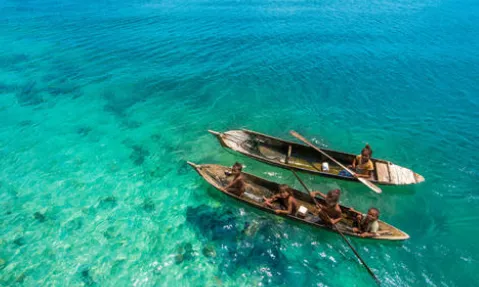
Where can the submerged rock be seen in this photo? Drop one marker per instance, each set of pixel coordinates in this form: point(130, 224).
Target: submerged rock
point(148, 205)
point(138, 154)
point(209, 251)
point(20, 241)
point(250, 229)
point(156, 137)
point(179, 258)
point(184, 252)
point(3, 263)
point(109, 233)
point(20, 278)
point(180, 250)
point(86, 277)
point(28, 95)
point(156, 172)
point(84, 131)
point(39, 216)
point(189, 252)
point(74, 224)
point(25, 123)
point(117, 266)
point(108, 202)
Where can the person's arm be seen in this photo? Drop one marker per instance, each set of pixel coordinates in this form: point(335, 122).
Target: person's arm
point(290, 208)
point(334, 221)
point(269, 201)
point(279, 211)
point(233, 182)
point(369, 169)
point(373, 232)
point(359, 217)
point(354, 163)
point(314, 193)
point(367, 234)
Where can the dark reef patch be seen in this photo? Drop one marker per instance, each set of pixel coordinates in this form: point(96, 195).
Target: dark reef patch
point(108, 202)
point(236, 246)
point(74, 224)
point(25, 123)
point(19, 241)
point(86, 277)
point(148, 205)
point(118, 103)
point(138, 154)
point(84, 131)
point(39, 216)
point(28, 94)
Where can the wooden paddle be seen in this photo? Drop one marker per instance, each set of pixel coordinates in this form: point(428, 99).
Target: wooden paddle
point(339, 231)
point(362, 180)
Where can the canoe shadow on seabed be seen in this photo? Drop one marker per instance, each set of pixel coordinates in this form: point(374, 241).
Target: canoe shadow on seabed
point(238, 245)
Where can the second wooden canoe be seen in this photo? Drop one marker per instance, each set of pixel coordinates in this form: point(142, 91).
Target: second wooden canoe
point(291, 155)
point(257, 187)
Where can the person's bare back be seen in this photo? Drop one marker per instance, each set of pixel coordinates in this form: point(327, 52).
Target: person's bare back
point(237, 185)
point(330, 211)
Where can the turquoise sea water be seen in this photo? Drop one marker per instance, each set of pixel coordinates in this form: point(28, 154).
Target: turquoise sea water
point(102, 103)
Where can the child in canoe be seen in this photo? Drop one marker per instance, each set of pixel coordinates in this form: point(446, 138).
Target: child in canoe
point(367, 225)
point(331, 207)
point(286, 200)
point(237, 185)
point(361, 165)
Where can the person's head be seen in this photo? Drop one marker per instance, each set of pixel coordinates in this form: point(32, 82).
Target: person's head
point(373, 214)
point(332, 197)
point(367, 152)
point(236, 169)
point(285, 191)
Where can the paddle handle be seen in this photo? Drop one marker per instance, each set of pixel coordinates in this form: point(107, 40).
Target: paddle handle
point(304, 185)
point(357, 255)
point(301, 138)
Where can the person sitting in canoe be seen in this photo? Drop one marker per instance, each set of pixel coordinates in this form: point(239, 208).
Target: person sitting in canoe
point(331, 207)
point(237, 185)
point(367, 225)
point(362, 164)
point(285, 198)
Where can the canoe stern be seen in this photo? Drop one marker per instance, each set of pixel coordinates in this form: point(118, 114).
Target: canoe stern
point(419, 178)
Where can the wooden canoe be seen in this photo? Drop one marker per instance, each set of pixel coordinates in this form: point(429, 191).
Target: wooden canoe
point(290, 155)
point(257, 187)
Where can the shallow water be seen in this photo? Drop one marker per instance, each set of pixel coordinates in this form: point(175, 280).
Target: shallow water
point(104, 102)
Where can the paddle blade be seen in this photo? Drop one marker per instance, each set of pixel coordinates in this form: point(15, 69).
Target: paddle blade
point(298, 136)
point(369, 184)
